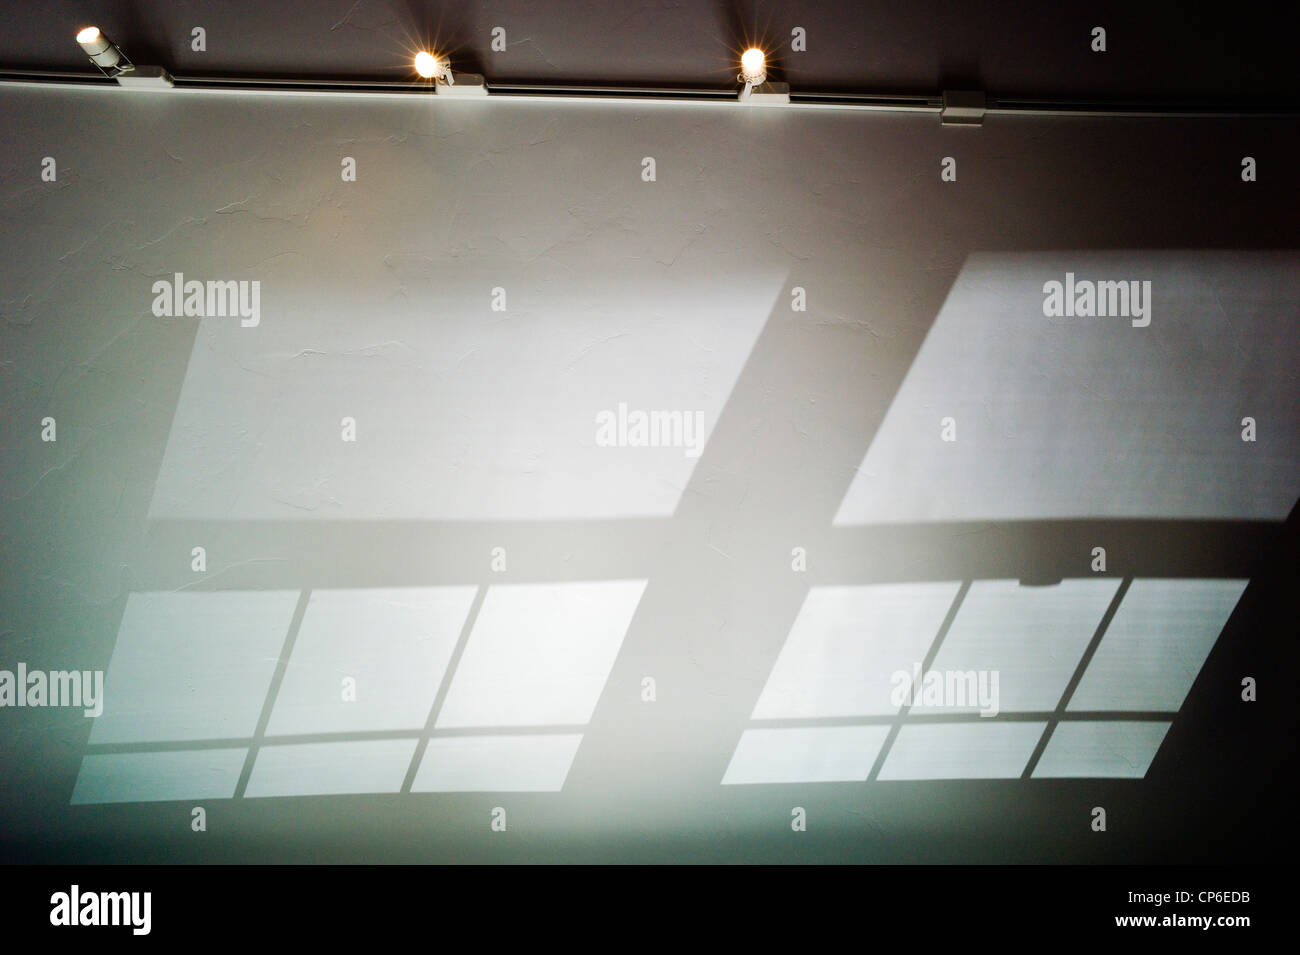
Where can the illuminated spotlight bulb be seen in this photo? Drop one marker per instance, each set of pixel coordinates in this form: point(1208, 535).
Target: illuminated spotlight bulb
point(431, 67)
point(753, 66)
point(425, 64)
point(102, 53)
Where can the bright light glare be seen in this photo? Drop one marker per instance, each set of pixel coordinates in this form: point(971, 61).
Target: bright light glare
point(426, 64)
point(88, 35)
point(752, 65)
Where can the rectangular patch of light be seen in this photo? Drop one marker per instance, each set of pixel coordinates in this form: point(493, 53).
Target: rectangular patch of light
point(369, 660)
point(462, 418)
point(1011, 412)
point(1156, 644)
point(987, 750)
point(323, 769)
point(846, 644)
point(192, 665)
point(1109, 748)
point(525, 763)
point(158, 777)
point(539, 654)
point(811, 754)
point(1031, 637)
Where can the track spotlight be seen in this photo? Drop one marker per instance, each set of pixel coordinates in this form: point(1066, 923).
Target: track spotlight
point(757, 90)
point(103, 52)
point(445, 82)
point(113, 63)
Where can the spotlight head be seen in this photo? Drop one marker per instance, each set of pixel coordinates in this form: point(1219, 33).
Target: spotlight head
point(102, 52)
point(753, 66)
point(431, 67)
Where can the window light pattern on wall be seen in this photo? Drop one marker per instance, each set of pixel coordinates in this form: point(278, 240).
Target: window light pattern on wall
point(433, 689)
point(1079, 679)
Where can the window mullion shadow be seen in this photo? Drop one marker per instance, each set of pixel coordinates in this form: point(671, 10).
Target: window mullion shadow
point(930, 655)
point(1076, 679)
point(281, 666)
point(452, 664)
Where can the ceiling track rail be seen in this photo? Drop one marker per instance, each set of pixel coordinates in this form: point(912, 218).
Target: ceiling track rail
point(871, 102)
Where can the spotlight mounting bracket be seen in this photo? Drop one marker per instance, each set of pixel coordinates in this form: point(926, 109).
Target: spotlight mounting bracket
point(963, 108)
point(463, 84)
point(766, 94)
point(145, 78)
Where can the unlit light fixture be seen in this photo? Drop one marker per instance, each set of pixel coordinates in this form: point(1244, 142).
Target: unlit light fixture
point(963, 108)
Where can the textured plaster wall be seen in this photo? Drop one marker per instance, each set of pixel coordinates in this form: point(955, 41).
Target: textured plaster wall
point(476, 428)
